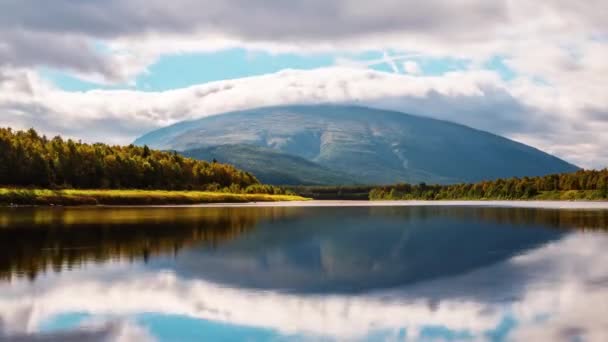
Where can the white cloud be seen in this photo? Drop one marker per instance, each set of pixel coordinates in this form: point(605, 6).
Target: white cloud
point(66, 35)
point(411, 67)
point(46, 107)
point(116, 331)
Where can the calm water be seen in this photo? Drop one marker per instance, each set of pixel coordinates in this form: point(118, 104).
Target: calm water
point(281, 273)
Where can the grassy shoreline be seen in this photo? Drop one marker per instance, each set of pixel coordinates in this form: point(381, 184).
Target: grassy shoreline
point(74, 197)
point(16, 196)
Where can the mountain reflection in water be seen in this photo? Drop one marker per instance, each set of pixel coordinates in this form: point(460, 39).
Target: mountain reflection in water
point(304, 273)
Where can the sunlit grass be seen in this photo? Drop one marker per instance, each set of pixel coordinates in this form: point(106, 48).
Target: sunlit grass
point(130, 197)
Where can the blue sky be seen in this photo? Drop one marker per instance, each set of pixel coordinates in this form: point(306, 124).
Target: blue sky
point(183, 70)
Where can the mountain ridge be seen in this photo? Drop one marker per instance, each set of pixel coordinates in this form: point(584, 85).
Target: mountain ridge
point(372, 145)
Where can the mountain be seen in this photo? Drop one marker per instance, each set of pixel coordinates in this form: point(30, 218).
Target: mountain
point(371, 145)
point(270, 166)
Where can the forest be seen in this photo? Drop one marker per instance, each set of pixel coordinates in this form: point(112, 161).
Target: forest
point(583, 184)
point(28, 159)
point(333, 192)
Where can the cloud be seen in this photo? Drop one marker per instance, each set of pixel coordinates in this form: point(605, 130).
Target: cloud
point(28, 100)
point(411, 67)
point(118, 331)
point(23, 49)
point(63, 34)
point(271, 20)
point(146, 29)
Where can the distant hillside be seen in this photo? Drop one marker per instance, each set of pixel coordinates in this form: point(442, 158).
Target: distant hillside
point(370, 145)
point(270, 166)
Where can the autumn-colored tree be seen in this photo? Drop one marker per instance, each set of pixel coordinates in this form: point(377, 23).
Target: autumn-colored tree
point(28, 159)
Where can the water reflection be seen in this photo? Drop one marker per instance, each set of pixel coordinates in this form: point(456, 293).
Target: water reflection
point(33, 240)
point(306, 273)
point(351, 250)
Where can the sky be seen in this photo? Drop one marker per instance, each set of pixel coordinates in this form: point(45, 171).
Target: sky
point(112, 70)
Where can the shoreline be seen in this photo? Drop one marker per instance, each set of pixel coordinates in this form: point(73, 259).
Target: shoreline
point(413, 203)
point(80, 197)
point(277, 203)
point(16, 197)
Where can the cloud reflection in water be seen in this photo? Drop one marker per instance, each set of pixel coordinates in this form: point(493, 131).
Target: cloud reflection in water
point(544, 284)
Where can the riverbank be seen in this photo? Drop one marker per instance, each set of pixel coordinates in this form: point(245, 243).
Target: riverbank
point(421, 203)
point(10, 196)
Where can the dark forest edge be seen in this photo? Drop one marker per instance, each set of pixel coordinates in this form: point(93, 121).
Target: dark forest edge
point(37, 170)
point(581, 185)
point(333, 192)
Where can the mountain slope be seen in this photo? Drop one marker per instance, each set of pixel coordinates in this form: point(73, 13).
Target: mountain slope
point(271, 167)
point(375, 146)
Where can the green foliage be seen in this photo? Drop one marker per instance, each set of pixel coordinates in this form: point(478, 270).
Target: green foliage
point(266, 189)
point(580, 185)
point(30, 160)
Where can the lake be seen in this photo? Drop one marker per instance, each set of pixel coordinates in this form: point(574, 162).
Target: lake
point(278, 272)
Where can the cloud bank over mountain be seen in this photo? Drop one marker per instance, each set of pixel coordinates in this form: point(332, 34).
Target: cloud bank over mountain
point(479, 99)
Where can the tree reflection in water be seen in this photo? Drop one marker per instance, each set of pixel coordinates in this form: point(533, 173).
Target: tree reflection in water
point(34, 240)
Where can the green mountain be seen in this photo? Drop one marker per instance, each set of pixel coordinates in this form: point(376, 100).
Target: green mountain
point(270, 166)
point(371, 145)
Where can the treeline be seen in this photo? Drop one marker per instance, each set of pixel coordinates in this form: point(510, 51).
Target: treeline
point(333, 192)
point(28, 159)
point(583, 184)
